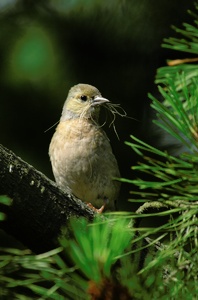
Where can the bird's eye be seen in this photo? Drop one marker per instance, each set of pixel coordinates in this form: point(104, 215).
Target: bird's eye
point(83, 98)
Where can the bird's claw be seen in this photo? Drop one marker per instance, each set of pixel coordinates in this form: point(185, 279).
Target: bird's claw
point(97, 210)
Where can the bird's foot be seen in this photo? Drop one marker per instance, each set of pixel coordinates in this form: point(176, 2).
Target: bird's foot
point(98, 210)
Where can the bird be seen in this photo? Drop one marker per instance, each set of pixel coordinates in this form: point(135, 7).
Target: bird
point(80, 152)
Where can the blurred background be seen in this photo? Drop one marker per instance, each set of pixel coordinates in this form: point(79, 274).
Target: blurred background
point(48, 46)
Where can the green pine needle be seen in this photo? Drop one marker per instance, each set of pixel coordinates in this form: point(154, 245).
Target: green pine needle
point(178, 113)
point(95, 247)
point(5, 201)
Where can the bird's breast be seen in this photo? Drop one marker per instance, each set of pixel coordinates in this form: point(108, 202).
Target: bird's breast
point(81, 132)
point(82, 159)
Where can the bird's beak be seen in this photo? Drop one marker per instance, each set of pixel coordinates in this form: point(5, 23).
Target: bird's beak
point(99, 100)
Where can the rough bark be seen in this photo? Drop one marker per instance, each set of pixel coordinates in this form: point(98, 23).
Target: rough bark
point(39, 208)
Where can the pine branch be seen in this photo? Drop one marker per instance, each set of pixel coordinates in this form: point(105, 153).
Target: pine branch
point(39, 208)
point(187, 44)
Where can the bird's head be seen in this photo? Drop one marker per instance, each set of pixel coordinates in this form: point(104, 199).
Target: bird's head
point(83, 101)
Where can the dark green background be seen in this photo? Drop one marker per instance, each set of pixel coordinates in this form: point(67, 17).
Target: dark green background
point(48, 46)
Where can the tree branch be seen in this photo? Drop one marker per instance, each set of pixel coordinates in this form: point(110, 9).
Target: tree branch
point(39, 208)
